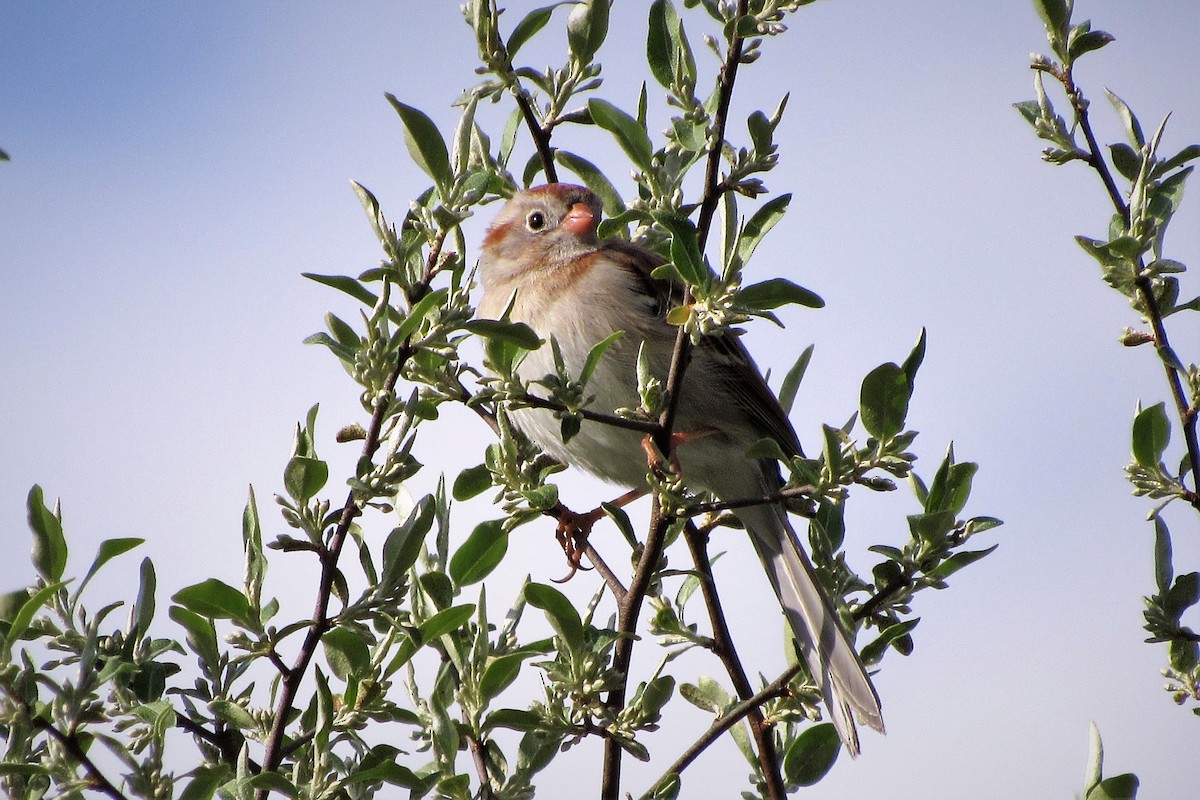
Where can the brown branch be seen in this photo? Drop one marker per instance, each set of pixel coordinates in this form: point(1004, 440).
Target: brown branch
point(639, 425)
point(1187, 413)
point(540, 133)
point(228, 742)
point(724, 649)
point(273, 753)
point(478, 757)
point(776, 688)
point(745, 502)
point(631, 604)
point(74, 749)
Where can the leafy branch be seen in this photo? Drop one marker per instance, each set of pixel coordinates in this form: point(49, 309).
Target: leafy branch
point(1132, 263)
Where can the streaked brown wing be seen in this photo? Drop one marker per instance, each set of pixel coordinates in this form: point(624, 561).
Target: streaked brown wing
point(734, 366)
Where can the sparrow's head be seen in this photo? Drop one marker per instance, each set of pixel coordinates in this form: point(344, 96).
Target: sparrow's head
point(540, 229)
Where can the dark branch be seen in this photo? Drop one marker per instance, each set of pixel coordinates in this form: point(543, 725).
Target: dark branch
point(273, 753)
point(639, 425)
point(630, 606)
point(74, 749)
point(776, 688)
point(1187, 414)
point(541, 134)
point(723, 647)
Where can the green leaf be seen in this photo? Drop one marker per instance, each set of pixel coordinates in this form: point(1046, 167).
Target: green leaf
point(273, 782)
point(388, 772)
point(685, 248)
point(347, 652)
point(891, 634)
point(951, 486)
point(660, 43)
point(418, 312)
point(1087, 42)
point(214, 599)
point(425, 144)
point(49, 545)
point(304, 477)
point(561, 614)
point(1179, 159)
point(776, 292)
point(1133, 128)
point(957, 561)
point(234, 714)
point(20, 621)
point(529, 25)
point(143, 607)
point(1126, 160)
point(481, 553)
point(108, 550)
point(513, 719)
point(472, 482)
point(446, 621)
point(352, 287)
point(1055, 16)
point(517, 333)
point(883, 401)
point(1118, 787)
point(1164, 568)
point(500, 673)
point(791, 381)
point(201, 635)
point(812, 755)
point(587, 27)
point(595, 354)
point(252, 545)
point(593, 179)
point(1183, 655)
point(403, 544)
point(757, 227)
point(706, 694)
point(205, 780)
point(913, 362)
point(1151, 434)
point(630, 134)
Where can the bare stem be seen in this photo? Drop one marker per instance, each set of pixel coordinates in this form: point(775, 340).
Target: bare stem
point(540, 133)
point(274, 752)
point(1187, 414)
point(723, 647)
point(639, 425)
point(630, 605)
point(71, 744)
point(776, 688)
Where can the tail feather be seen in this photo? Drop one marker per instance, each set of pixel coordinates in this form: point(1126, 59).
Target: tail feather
point(824, 643)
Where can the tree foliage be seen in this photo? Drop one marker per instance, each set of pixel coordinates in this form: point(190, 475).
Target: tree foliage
point(405, 643)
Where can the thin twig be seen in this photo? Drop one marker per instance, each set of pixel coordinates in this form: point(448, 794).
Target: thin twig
point(478, 757)
point(745, 502)
point(776, 688)
point(229, 742)
point(273, 753)
point(724, 649)
point(1187, 414)
point(638, 425)
point(630, 606)
point(539, 132)
point(69, 743)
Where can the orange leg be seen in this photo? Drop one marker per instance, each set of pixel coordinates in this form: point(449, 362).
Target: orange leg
point(574, 529)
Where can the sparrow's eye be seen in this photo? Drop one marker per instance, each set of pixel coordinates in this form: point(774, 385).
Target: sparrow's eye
point(535, 221)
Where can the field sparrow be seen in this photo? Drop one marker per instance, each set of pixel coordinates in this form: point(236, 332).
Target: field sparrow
point(543, 255)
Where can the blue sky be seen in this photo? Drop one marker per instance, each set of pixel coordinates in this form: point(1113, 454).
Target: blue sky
point(174, 168)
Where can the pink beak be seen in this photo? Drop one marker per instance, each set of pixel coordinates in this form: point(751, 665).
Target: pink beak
point(578, 220)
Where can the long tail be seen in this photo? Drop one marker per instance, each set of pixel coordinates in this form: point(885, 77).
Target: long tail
point(824, 644)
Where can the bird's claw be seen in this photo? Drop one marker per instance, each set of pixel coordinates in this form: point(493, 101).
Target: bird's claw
point(572, 535)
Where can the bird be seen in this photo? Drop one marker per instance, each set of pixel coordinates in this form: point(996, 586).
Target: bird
point(542, 263)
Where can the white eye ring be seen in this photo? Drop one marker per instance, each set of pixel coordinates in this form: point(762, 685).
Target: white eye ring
point(535, 221)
